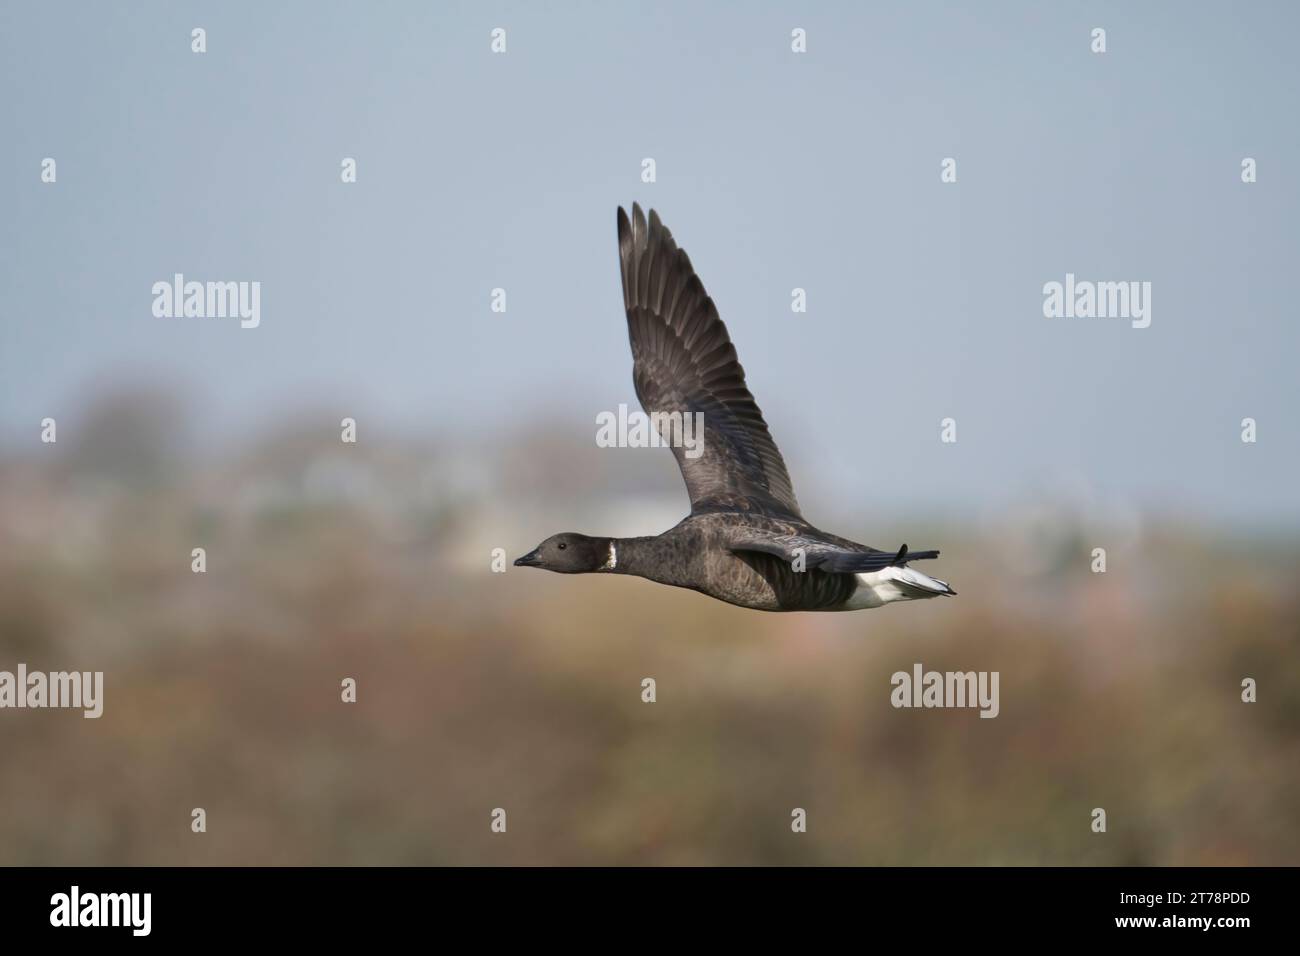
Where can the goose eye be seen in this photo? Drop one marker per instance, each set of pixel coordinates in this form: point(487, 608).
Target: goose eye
point(562, 545)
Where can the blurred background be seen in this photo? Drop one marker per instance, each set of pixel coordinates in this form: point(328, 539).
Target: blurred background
point(476, 430)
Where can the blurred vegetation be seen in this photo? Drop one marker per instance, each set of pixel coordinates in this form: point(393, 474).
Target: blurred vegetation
point(522, 690)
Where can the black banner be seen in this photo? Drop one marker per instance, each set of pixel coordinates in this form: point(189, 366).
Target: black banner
point(329, 905)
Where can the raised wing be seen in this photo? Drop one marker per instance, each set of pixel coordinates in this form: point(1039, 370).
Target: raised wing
point(683, 362)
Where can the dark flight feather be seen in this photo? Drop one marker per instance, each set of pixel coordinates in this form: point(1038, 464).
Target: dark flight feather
point(684, 362)
point(821, 554)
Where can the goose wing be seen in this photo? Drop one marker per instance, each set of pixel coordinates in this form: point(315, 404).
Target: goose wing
point(683, 363)
point(819, 554)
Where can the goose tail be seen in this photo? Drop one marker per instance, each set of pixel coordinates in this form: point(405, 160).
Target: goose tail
point(913, 584)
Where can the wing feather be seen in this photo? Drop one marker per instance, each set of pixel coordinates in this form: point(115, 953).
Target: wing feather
point(683, 361)
point(820, 554)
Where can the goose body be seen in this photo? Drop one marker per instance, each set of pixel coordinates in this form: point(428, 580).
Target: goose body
point(745, 541)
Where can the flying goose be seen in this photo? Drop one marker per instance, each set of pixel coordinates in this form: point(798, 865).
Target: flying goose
point(745, 541)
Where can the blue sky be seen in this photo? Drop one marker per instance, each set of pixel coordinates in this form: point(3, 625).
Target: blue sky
point(774, 171)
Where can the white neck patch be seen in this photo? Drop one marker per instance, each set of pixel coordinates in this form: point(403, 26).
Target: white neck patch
point(612, 561)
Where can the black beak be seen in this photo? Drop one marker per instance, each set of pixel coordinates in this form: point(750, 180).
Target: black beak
point(529, 560)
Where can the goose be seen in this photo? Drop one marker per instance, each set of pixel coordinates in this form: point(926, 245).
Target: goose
point(745, 540)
